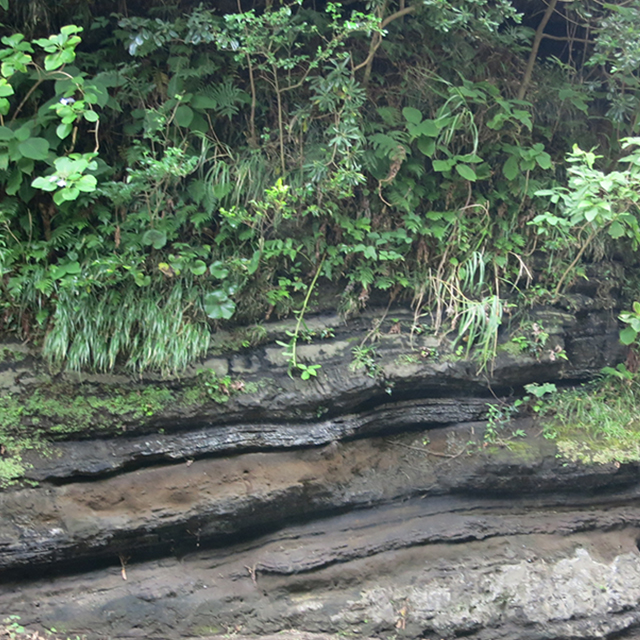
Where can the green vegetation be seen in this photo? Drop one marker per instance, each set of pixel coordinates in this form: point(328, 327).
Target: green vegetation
point(500, 415)
point(598, 422)
point(364, 357)
point(238, 338)
point(30, 420)
point(169, 172)
point(58, 409)
point(220, 389)
point(306, 371)
point(172, 169)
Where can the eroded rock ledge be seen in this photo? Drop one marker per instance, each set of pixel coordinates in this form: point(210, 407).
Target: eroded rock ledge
point(353, 504)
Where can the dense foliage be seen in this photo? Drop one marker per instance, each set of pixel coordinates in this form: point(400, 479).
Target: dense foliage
point(167, 167)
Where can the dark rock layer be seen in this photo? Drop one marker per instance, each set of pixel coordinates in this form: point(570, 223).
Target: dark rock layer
point(353, 504)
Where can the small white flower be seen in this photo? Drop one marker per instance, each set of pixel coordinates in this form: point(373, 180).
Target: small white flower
point(66, 101)
point(62, 182)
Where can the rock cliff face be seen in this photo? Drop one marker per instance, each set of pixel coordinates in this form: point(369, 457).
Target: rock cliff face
point(364, 502)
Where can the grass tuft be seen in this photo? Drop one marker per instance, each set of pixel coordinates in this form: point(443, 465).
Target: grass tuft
point(597, 422)
point(140, 328)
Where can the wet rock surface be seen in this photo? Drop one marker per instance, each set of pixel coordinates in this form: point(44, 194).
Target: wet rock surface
point(367, 506)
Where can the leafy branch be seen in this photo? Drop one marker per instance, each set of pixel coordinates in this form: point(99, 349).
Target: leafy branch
point(291, 353)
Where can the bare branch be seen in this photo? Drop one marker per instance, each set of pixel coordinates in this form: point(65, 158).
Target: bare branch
point(526, 80)
point(376, 40)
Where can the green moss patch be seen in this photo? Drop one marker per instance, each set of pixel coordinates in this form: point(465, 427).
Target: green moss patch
point(31, 419)
point(597, 422)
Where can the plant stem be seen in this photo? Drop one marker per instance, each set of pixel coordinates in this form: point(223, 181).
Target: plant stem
point(526, 80)
point(305, 304)
point(280, 123)
point(575, 261)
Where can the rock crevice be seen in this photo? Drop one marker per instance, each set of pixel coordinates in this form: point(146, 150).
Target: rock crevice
point(366, 502)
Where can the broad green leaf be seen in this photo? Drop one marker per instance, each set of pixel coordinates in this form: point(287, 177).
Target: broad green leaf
point(99, 93)
point(466, 172)
point(73, 267)
point(412, 115)
point(370, 252)
point(66, 195)
point(5, 88)
point(12, 40)
point(606, 184)
point(34, 148)
point(616, 230)
point(47, 183)
point(91, 116)
point(544, 160)
point(63, 130)
point(6, 133)
point(497, 121)
point(184, 115)
point(198, 268)
point(23, 133)
point(628, 335)
point(155, 238)
point(218, 306)
point(511, 168)
point(429, 128)
point(54, 60)
point(524, 117)
point(87, 184)
point(591, 214)
point(199, 124)
point(580, 104)
point(141, 279)
point(25, 165)
point(66, 166)
point(473, 158)
point(443, 165)
point(70, 29)
point(427, 146)
point(59, 271)
point(218, 270)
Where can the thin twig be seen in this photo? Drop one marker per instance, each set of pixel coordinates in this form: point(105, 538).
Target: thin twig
point(575, 261)
point(451, 456)
point(123, 565)
point(376, 42)
point(252, 573)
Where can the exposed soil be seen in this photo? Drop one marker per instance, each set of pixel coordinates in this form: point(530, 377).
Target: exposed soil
point(358, 506)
